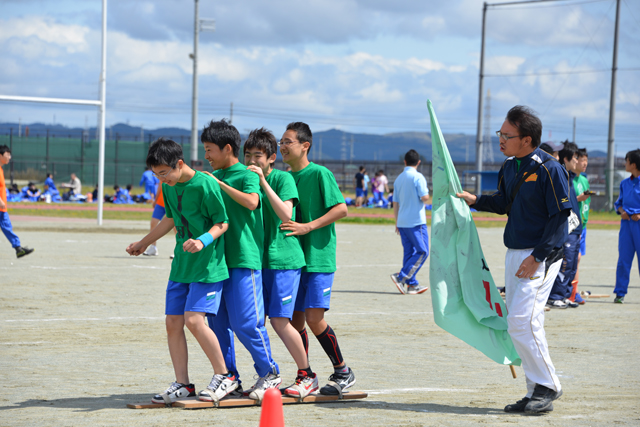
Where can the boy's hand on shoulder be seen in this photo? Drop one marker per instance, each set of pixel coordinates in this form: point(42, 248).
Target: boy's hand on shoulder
point(296, 228)
point(135, 249)
point(257, 170)
point(211, 175)
point(192, 246)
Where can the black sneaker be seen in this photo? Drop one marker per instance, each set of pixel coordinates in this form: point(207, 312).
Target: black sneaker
point(618, 300)
point(342, 380)
point(542, 400)
point(570, 303)
point(174, 392)
point(518, 406)
point(23, 251)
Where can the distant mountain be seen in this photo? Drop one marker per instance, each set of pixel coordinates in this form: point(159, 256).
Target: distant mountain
point(332, 144)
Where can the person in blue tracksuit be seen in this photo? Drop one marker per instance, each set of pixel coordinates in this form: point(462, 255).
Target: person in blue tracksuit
point(628, 207)
point(410, 195)
point(562, 287)
point(150, 182)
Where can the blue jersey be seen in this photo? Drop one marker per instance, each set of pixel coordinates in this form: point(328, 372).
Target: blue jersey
point(149, 181)
point(543, 195)
point(629, 197)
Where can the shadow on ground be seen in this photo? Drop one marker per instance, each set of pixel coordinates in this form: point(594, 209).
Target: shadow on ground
point(84, 404)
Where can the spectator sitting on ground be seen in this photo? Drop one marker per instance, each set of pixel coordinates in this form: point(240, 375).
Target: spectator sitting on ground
point(75, 188)
point(49, 182)
point(50, 194)
point(122, 195)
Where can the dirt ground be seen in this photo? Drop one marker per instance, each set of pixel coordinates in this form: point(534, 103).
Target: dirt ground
point(82, 334)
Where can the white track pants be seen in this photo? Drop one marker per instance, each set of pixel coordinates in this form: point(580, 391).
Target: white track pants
point(526, 299)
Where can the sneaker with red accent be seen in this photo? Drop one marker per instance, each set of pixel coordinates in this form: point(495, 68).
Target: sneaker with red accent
point(304, 385)
point(175, 391)
point(398, 282)
point(220, 386)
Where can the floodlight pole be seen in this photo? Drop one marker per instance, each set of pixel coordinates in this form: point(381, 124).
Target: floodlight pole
point(194, 98)
point(480, 106)
point(612, 114)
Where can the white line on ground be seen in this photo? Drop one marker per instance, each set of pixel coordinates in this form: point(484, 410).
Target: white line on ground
point(411, 390)
point(25, 343)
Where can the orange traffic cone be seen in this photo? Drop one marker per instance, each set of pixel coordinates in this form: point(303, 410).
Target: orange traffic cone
point(272, 414)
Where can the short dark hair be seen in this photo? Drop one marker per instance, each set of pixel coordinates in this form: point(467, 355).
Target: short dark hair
point(49, 175)
point(222, 133)
point(4, 149)
point(361, 168)
point(303, 132)
point(582, 152)
point(634, 157)
point(412, 158)
point(164, 152)
point(546, 148)
point(262, 139)
point(568, 151)
point(528, 124)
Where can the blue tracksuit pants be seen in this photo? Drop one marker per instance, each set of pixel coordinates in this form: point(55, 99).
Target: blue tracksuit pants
point(415, 242)
point(562, 286)
point(628, 247)
point(242, 312)
point(7, 229)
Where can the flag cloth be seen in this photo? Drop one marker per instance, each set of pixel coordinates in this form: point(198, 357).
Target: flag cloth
point(466, 302)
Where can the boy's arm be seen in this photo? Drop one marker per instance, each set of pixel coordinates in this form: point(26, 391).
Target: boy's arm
point(196, 245)
point(335, 213)
point(163, 227)
point(396, 209)
point(284, 209)
point(250, 201)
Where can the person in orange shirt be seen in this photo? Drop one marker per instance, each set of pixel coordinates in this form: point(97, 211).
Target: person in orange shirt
point(5, 222)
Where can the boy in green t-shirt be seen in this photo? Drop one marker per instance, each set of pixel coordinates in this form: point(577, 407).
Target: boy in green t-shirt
point(283, 257)
point(321, 205)
point(242, 308)
point(581, 184)
point(194, 205)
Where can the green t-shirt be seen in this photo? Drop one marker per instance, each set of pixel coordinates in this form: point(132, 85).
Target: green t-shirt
point(195, 206)
point(581, 184)
point(280, 252)
point(318, 192)
point(244, 240)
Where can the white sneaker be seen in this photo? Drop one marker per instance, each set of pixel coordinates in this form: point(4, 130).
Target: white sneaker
point(304, 386)
point(263, 384)
point(220, 386)
point(175, 391)
point(152, 250)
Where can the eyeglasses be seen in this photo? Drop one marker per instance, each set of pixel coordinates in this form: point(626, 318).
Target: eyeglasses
point(286, 143)
point(505, 137)
point(163, 175)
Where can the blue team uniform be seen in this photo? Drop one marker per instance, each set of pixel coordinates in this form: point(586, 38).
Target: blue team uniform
point(629, 237)
point(562, 286)
point(149, 181)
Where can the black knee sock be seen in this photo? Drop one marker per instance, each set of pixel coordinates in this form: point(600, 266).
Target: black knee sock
point(305, 340)
point(329, 343)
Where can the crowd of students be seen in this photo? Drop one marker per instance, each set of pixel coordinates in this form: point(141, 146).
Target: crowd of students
point(251, 241)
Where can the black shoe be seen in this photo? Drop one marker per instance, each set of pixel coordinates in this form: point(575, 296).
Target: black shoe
point(542, 400)
point(22, 251)
point(518, 406)
point(619, 300)
point(343, 381)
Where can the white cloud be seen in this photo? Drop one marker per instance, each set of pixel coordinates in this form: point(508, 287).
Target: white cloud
point(70, 37)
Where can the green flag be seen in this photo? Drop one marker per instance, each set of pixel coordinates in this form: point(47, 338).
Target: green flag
point(466, 302)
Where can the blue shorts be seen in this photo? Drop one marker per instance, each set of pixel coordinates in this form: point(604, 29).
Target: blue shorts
point(359, 192)
point(197, 297)
point(583, 242)
point(314, 291)
point(158, 212)
point(279, 289)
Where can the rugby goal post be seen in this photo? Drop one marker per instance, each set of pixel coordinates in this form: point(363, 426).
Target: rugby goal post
point(101, 104)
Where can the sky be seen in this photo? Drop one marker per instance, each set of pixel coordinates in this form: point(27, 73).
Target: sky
point(365, 66)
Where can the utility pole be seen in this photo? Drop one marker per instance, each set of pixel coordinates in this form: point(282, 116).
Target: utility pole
point(612, 114)
point(198, 25)
point(231, 114)
point(480, 105)
point(574, 130)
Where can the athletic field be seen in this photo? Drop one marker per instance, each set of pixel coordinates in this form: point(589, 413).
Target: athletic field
point(82, 334)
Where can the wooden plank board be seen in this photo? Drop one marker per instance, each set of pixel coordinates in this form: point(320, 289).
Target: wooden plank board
point(194, 403)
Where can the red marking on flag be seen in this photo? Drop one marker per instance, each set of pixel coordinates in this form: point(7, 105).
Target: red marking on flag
point(498, 310)
point(488, 292)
